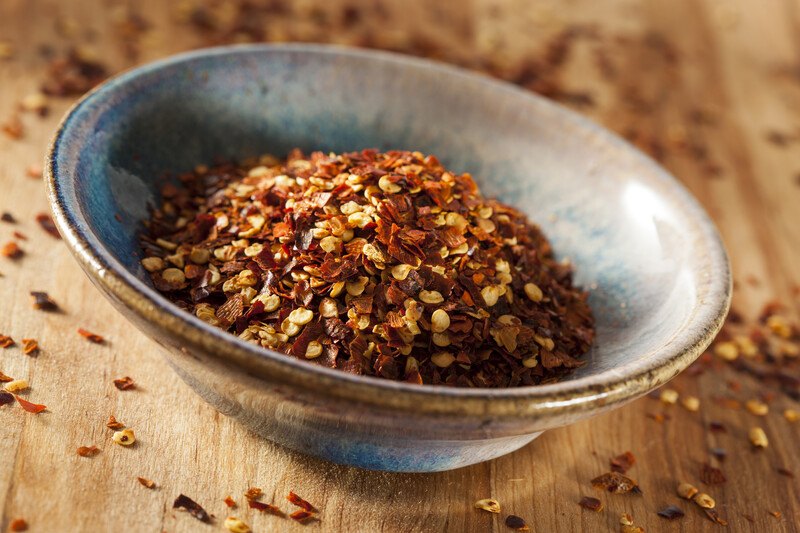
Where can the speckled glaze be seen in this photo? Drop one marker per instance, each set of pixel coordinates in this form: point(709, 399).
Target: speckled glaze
point(660, 271)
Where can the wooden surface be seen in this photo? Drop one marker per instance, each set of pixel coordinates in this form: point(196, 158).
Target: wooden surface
point(697, 83)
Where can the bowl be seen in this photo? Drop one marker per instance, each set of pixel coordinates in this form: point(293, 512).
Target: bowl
point(657, 271)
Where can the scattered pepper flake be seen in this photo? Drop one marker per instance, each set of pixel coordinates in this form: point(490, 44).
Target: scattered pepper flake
point(717, 427)
point(88, 451)
point(19, 235)
point(294, 499)
point(30, 347)
point(8, 217)
point(11, 250)
point(13, 127)
point(489, 504)
point(34, 171)
point(711, 475)
point(592, 504)
point(791, 415)
point(150, 484)
point(714, 516)
point(6, 398)
point(517, 523)
point(91, 337)
point(776, 514)
point(671, 512)
point(17, 525)
point(622, 463)
point(785, 472)
point(4, 378)
point(264, 507)
point(230, 502)
point(301, 515)
point(46, 223)
point(192, 507)
point(616, 483)
point(125, 383)
point(29, 406)
point(43, 302)
point(6, 341)
point(114, 424)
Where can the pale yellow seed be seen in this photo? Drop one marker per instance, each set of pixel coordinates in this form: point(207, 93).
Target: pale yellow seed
point(460, 249)
point(400, 272)
point(363, 322)
point(348, 208)
point(442, 359)
point(173, 275)
point(533, 292)
point(387, 186)
point(704, 500)
point(489, 504)
point(441, 339)
point(199, 256)
point(485, 212)
point(247, 278)
point(758, 438)
point(16, 385)
point(625, 519)
point(355, 288)
point(687, 491)
point(177, 260)
point(373, 253)
point(167, 245)
point(34, 102)
point(313, 350)
point(791, 415)
point(271, 301)
point(440, 321)
point(234, 525)
point(254, 249)
point(456, 220)
point(289, 328)
point(330, 244)
point(779, 326)
point(125, 437)
point(757, 407)
point(300, 316)
point(727, 351)
point(431, 297)
point(746, 346)
point(669, 396)
point(691, 403)
point(359, 219)
point(530, 362)
point(153, 264)
point(336, 288)
point(328, 308)
point(486, 225)
point(491, 293)
point(206, 313)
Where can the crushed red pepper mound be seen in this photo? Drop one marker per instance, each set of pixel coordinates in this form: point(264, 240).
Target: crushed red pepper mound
point(381, 264)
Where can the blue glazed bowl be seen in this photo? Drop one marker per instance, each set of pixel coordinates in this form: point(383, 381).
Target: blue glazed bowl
point(659, 276)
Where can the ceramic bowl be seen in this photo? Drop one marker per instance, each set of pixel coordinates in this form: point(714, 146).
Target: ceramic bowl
point(658, 273)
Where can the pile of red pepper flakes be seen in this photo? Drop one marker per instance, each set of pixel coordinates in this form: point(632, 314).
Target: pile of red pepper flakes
point(382, 264)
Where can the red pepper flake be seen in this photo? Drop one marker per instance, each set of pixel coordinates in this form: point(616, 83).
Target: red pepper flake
point(711, 475)
point(146, 482)
point(717, 427)
point(43, 302)
point(6, 341)
point(517, 523)
point(125, 383)
point(592, 504)
point(671, 512)
point(8, 217)
point(4, 378)
point(623, 462)
point(34, 171)
point(264, 507)
point(230, 502)
point(6, 398)
point(719, 453)
point(29, 406)
point(616, 483)
point(17, 525)
point(19, 235)
point(300, 502)
point(91, 337)
point(301, 515)
point(13, 127)
point(785, 472)
point(47, 224)
point(88, 451)
point(192, 507)
point(776, 514)
point(113, 424)
point(714, 516)
point(658, 417)
point(30, 347)
point(253, 493)
point(11, 250)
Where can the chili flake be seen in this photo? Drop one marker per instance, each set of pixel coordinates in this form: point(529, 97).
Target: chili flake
point(671, 512)
point(30, 347)
point(6, 341)
point(6, 398)
point(88, 451)
point(623, 462)
point(230, 502)
point(11, 250)
point(18, 524)
point(47, 224)
point(43, 302)
point(592, 504)
point(517, 523)
point(365, 261)
point(4, 378)
point(616, 483)
point(192, 507)
point(253, 493)
point(150, 484)
point(125, 383)
point(7, 217)
point(264, 507)
point(294, 499)
point(301, 515)
point(29, 406)
point(91, 337)
point(711, 475)
point(714, 516)
point(113, 424)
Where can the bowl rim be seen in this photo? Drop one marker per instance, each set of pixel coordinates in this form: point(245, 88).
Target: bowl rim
point(580, 396)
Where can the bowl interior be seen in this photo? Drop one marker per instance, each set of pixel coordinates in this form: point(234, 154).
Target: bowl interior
point(635, 236)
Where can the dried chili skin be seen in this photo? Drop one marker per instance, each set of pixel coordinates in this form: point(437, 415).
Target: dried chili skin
point(369, 246)
point(192, 507)
point(616, 483)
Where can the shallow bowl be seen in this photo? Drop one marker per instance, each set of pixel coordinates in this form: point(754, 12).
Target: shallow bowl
point(658, 273)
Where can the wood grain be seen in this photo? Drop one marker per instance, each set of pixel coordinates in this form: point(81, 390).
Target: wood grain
point(649, 67)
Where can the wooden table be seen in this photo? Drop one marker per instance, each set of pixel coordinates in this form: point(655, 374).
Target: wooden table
point(712, 88)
